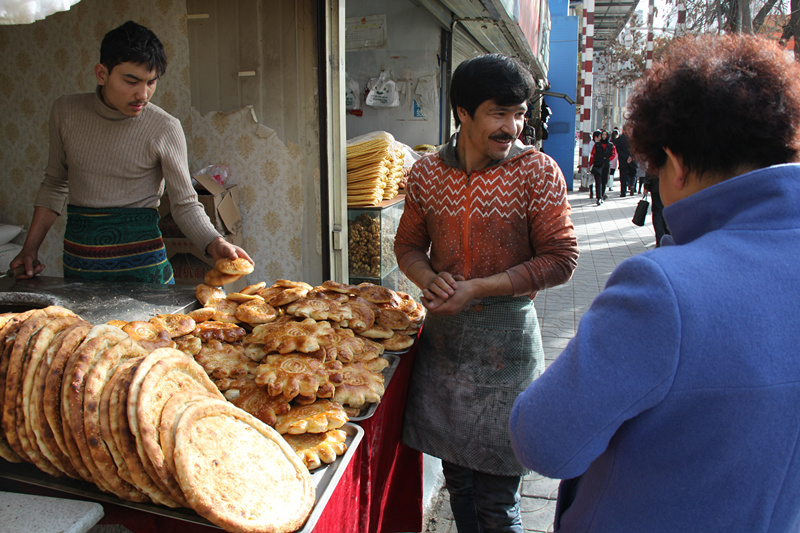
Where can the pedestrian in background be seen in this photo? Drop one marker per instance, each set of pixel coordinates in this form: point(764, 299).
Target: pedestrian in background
point(689, 420)
point(595, 139)
point(614, 160)
point(600, 161)
point(627, 166)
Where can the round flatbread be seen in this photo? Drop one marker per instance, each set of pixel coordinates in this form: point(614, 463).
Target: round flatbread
point(16, 344)
point(234, 267)
point(126, 440)
point(215, 278)
point(173, 409)
point(177, 324)
point(259, 484)
point(41, 427)
point(36, 448)
point(174, 372)
point(150, 335)
point(205, 293)
point(52, 392)
point(96, 380)
point(106, 430)
point(98, 341)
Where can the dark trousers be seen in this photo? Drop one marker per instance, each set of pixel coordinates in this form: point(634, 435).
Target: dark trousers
point(483, 503)
point(600, 180)
point(656, 208)
point(627, 178)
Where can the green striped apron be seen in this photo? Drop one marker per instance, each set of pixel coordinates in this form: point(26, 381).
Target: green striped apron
point(115, 244)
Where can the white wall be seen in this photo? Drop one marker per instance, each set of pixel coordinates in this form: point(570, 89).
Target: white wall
point(411, 53)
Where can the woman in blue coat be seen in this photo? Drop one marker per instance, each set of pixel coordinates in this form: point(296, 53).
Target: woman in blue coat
point(690, 421)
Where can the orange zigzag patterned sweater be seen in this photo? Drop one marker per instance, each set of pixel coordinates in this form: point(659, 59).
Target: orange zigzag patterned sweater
point(512, 216)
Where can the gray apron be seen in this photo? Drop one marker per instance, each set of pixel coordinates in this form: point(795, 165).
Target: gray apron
point(468, 371)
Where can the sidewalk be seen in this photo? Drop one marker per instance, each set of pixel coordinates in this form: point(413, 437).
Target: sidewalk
point(606, 237)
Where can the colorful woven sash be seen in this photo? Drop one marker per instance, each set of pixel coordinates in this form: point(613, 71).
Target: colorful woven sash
point(115, 244)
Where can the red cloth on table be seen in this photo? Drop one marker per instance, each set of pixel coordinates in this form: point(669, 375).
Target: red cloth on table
point(386, 495)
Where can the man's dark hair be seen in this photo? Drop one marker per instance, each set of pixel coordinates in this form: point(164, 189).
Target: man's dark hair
point(133, 43)
point(723, 103)
point(489, 77)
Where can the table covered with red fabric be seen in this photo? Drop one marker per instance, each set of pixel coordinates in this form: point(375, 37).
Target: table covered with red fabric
point(379, 491)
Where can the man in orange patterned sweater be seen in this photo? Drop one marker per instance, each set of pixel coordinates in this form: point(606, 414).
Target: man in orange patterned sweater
point(486, 225)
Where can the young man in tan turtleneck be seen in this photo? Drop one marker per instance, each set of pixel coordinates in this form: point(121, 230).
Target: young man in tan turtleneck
point(112, 153)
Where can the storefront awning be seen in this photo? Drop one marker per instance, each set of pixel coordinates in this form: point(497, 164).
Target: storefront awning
point(610, 16)
point(496, 26)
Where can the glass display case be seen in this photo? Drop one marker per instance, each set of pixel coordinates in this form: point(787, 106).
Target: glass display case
point(370, 239)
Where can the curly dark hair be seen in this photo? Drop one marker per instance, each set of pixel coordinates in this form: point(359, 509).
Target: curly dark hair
point(721, 102)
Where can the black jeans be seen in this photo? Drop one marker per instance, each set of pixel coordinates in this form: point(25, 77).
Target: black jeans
point(656, 208)
point(600, 180)
point(627, 178)
point(483, 503)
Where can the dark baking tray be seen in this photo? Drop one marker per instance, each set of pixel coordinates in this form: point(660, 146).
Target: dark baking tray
point(387, 372)
point(325, 479)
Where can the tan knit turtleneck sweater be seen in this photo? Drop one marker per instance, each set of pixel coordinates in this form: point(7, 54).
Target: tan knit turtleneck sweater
point(101, 158)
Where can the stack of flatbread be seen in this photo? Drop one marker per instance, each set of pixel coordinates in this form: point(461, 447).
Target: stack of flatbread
point(374, 169)
point(145, 424)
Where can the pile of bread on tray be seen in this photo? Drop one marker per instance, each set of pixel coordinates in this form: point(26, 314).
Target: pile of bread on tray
point(223, 410)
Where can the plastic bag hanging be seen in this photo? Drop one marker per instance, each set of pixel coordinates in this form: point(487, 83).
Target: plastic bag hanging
point(382, 92)
point(352, 98)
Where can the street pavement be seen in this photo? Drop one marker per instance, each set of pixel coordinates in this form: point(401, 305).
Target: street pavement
point(606, 237)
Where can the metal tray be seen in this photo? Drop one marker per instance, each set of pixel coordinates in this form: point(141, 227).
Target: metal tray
point(325, 479)
point(387, 372)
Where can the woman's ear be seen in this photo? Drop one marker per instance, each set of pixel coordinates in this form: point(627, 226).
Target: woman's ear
point(677, 173)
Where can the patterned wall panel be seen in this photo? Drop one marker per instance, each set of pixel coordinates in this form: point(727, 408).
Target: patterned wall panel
point(56, 56)
point(271, 205)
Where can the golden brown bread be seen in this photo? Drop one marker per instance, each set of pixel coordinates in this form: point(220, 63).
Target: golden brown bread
point(286, 337)
point(292, 374)
point(99, 449)
point(224, 360)
point(150, 335)
point(222, 331)
point(215, 278)
point(256, 311)
point(319, 309)
point(255, 399)
point(205, 293)
point(234, 267)
point(177, 324)
point(318, 448)
point(318, 417)
point(173, 372)
point(41, 428)
point(397, 342)
point(359, 386)
point(258, 485)
point(36, 448)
